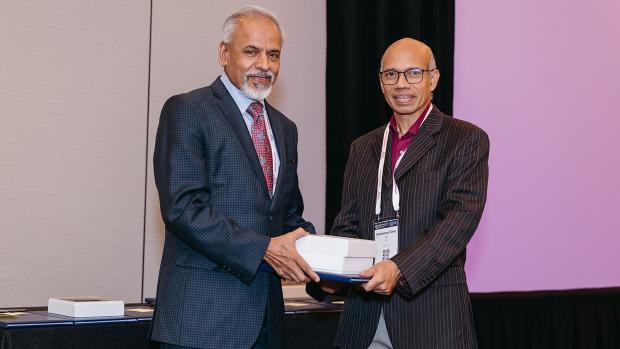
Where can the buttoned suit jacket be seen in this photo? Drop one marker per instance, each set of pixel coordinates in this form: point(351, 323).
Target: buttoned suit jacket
point(219, 218)
point(442, 179)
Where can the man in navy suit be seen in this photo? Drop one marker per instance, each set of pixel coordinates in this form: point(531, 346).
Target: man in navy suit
point(226, 171)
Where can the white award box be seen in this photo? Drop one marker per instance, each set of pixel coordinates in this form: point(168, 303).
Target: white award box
point(85, 307)
point(335, 254)
point(336, 246)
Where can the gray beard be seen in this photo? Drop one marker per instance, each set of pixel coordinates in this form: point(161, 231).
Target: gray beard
point(255, 93)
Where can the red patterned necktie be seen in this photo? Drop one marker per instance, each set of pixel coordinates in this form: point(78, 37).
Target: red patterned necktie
point(261, 142)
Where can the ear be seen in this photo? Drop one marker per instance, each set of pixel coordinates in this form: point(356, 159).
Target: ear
point(434, 79)
point(222, 56)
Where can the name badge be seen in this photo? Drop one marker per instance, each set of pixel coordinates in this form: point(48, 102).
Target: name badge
point(386, 237)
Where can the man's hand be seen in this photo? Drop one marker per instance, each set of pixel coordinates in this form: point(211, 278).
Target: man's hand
point(282, 255)
point(331, 287)
point(384, 276)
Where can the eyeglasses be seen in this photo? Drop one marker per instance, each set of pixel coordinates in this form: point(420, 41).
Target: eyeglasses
point(413, 75)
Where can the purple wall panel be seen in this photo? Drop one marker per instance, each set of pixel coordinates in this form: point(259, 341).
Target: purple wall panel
point(542, 79)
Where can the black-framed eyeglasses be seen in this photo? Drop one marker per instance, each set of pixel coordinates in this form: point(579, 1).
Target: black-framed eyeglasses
point(413, 75)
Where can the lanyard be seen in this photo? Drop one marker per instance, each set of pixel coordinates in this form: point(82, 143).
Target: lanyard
point(395, 192)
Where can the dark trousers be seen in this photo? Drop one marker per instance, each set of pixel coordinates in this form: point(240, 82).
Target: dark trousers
point(261, 343)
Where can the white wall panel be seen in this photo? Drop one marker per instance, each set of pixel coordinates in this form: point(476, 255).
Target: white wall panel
point(73, 87)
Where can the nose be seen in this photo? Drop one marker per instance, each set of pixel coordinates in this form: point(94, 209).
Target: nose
point(262, 62)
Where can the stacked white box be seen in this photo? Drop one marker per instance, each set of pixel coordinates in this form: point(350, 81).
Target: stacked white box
point(335, 254)
point(85, 307)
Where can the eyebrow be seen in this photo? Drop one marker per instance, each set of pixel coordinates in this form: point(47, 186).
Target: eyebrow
point(259, 49)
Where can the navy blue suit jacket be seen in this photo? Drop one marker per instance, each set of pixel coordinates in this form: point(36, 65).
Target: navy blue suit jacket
point(219, 218)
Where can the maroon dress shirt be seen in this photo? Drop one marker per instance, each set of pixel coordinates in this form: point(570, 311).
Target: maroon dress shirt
point(400, 144)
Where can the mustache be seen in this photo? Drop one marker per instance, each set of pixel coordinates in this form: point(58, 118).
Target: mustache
point(260, 74)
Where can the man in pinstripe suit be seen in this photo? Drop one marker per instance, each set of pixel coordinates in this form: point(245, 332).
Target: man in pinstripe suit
point(226, 172)
point(417, 297)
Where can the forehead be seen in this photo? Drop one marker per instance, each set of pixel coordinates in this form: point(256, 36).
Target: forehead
point(257, 31)
point(403, 57)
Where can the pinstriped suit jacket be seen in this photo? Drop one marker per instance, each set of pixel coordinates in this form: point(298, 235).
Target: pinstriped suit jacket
point(442, 180)
point(219, 218)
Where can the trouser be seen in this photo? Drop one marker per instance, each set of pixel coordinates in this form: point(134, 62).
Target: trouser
point(261, 341)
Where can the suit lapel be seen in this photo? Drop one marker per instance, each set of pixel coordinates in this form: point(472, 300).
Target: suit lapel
point(230, 109)
point(421, 144)
point(278, 134)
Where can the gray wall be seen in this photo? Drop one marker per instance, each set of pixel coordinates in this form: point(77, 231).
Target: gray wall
point(79, 214)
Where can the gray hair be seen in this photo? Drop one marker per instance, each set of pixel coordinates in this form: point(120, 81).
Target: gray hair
point(230, 24)
point(431, 64)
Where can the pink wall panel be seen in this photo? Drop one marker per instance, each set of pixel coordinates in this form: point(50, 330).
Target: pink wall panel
point(541, 77)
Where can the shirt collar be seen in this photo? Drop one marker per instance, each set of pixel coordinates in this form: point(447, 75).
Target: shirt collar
point(241, 100)
point(416, 125)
